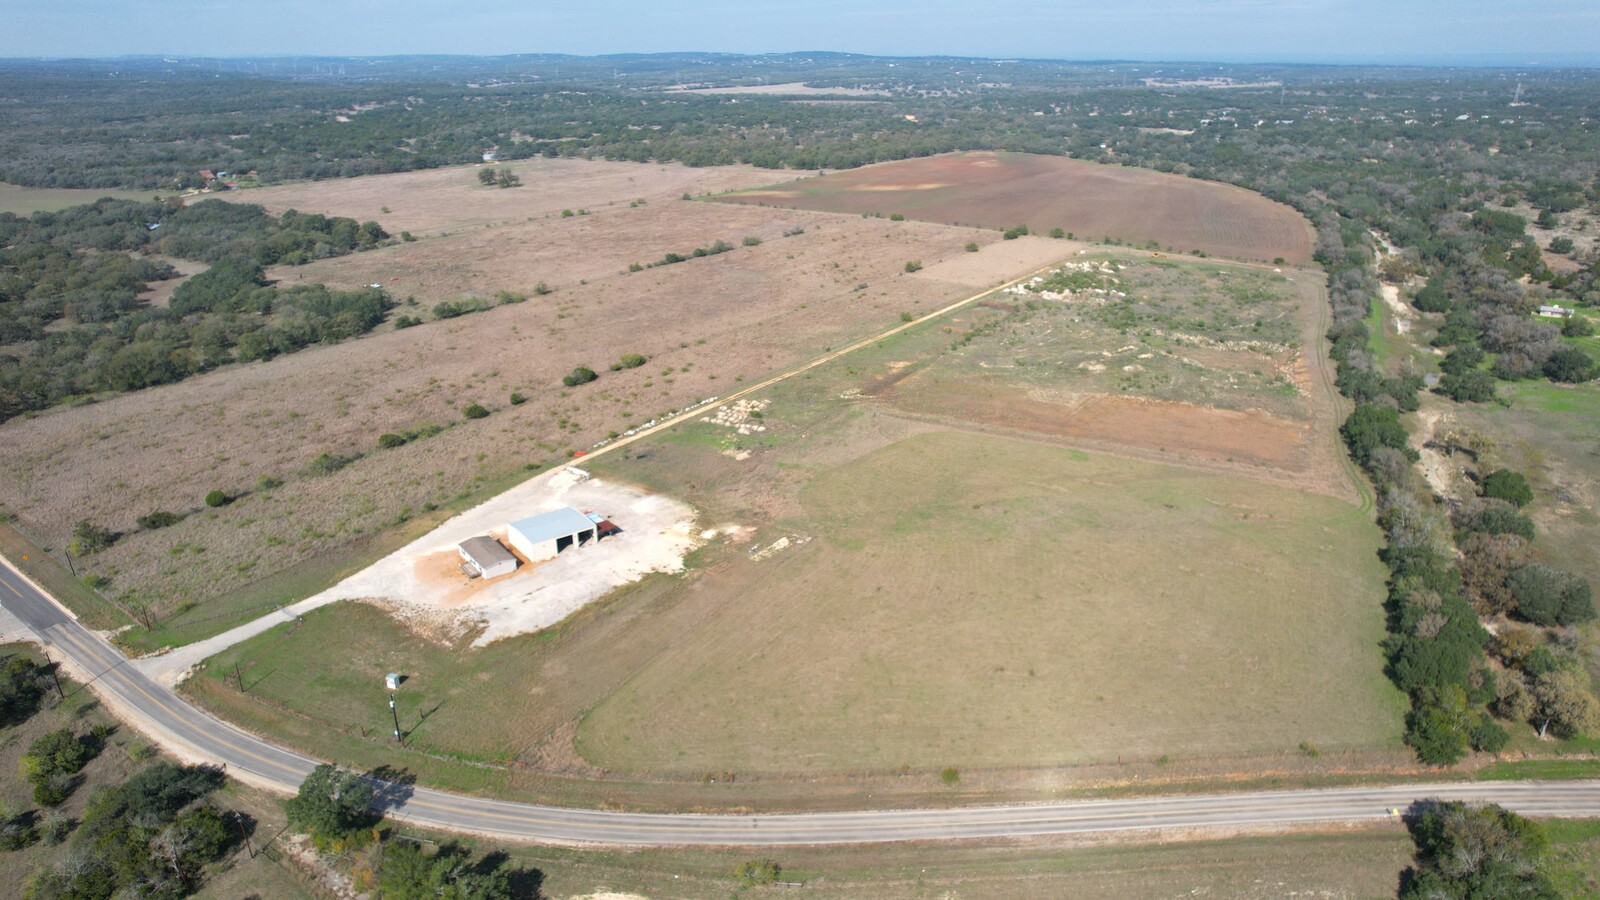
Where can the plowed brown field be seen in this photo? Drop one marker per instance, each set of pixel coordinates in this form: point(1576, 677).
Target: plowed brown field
point(1004, 190)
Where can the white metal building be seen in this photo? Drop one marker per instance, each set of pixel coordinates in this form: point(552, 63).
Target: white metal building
point(487, 557)
point(543, 536)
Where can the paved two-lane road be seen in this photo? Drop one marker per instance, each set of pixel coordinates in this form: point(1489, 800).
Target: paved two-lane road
point(192, 734)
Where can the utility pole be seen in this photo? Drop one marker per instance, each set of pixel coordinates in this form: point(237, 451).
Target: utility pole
point(238, 821)
point(237, 677)
point(54, 677)
point(396, 715)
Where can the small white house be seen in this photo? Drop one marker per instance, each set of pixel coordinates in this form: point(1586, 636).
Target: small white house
point(485, 556)
point(1556, 312)
point(543, 536)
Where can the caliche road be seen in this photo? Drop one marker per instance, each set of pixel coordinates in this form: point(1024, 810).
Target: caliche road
point(189, 733)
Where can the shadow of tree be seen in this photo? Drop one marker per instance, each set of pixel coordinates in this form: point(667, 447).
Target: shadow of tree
point(391, 787)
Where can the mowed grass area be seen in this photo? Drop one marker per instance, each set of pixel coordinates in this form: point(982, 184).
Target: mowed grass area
point(1345, 864)
point(1091, 201)
point(974, 601)
point(25, 201)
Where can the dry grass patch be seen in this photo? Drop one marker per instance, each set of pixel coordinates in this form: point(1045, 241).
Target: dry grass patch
point(448, 199)
point(704, 324)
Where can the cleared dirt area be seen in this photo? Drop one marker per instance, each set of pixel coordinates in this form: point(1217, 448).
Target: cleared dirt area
point(1182, 430)
point(423, 581)
point(436, 200)
point(160, 293)
point(1004, 190)
point(705, 324)
point(423, 584)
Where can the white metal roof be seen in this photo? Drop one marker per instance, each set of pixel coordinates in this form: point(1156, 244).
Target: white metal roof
point(557, 523)
point(485, 551)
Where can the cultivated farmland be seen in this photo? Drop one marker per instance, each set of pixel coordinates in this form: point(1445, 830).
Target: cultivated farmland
point(1005, 190)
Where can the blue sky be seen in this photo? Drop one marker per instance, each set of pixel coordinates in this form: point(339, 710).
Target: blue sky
point(1514, 31)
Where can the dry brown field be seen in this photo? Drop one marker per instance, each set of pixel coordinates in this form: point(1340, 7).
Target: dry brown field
point(449, 199)
point(706, 325)
point(1004, 190)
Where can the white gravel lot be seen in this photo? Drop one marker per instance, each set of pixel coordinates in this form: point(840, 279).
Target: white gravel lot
point(422, 583)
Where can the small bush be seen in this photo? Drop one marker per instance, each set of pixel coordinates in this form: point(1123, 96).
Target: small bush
point(406, 322)
point(16, 834)
point(158, 519)
point(517, 399)
point(632, 360)
point(1504, 484)
point(510, 297)
point(407, 237)
point(1277, 260)
point(1489, 737)
point(897, 217)
point(972, 246)
point(914, 265)
point(55, 828)
point(216, 499)
point(580, 375)
point(391, 441)
point(758, 871)
point(475, 411)
point(541, 289)
point(449, 309)
point(53, 791)
point(327, 464)
point(751, 240)
point(1058, 232)
point(950, 775)
point(907, 317)
point(268, 482)
point(1570, 365)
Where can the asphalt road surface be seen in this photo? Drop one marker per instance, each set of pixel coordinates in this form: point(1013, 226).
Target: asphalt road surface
point(190, 733)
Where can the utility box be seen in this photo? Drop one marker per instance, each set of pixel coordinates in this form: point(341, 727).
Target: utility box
point(391, 680)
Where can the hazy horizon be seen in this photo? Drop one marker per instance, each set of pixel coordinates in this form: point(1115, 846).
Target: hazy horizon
point(1359, 32)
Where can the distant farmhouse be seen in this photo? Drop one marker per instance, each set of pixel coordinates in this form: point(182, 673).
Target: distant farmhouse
point(1555, 312)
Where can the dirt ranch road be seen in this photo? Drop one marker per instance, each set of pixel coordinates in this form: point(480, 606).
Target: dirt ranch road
point(191, 734)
